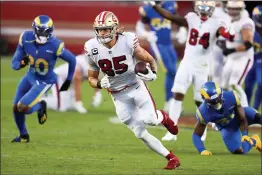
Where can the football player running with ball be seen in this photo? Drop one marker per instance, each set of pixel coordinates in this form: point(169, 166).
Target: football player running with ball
point(194, 67)
point(114, 52)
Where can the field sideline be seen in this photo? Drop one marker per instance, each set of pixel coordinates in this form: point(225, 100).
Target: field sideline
point(71, 143)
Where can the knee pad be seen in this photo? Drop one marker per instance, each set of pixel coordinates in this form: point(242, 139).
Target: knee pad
point(140, 132)
point(150, 119)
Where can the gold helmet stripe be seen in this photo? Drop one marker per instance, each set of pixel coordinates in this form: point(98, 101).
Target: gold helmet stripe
point(204, 93)
point(37, 21)
point(218, 89)
point(50, 22)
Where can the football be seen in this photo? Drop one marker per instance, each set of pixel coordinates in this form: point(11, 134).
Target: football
point(141, 68)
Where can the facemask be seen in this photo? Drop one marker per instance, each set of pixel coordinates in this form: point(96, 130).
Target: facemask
point(218, 106)
point(41, 39)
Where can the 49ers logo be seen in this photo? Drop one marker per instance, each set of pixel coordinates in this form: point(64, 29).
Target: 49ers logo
point(114, 18)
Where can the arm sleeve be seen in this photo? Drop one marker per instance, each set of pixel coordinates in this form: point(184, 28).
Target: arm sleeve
point(68, 57)
point(132, 42)
point(198, 143)
point(91, 64)
point(248, 24)
point(19, 54)
point(189, 18)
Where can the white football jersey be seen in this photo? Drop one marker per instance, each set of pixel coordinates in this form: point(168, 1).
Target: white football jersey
point(117, 63)
point(81, 64)
point(238, 26)
point(202, 36)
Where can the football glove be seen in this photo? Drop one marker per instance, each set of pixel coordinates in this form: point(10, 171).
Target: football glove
point(247, 139)
point(105, 82)
point(227, 51)
point(25, 61)
point(206, 153)
point(150, 76)
point(65, 86)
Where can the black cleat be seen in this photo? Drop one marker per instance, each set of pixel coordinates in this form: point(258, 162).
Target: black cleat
point(22, 139)
point(41, 113)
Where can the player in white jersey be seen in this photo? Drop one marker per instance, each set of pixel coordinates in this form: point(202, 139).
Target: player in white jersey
point(114, 52)
point(193, 69)
point(216, 64)
point(239, 53)
point(71, 99)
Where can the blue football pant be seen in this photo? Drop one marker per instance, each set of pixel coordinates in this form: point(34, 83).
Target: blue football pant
point(169, 58)
point(28, 93)
point(232, 135)
point(254, 76)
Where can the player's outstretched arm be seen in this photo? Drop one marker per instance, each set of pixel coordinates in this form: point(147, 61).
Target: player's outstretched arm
point(240, 114)
point(77, 84)
point(142, 55)
point(247, 37)
point(175, 18)
point(198, 132)
point(67, 56)
point(18, 58)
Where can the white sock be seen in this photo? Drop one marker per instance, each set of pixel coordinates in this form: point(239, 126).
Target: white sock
point(242, 94)
point(154, 144)
point(160, 117)
point(203, 138)
point(175, 110)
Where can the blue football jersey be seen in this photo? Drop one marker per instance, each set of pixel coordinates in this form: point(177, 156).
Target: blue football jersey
point(258, 46)
point(222, 117)
point(157, 23)
point(42, 57)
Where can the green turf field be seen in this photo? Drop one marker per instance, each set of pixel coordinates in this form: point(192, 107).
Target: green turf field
point(71, 143)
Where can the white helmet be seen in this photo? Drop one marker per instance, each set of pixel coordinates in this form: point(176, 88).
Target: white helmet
point(235, 8)
point(205, 8)
point(106, 20)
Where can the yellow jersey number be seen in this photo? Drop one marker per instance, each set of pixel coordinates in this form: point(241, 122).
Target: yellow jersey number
point(40, 64)
point(160, 23)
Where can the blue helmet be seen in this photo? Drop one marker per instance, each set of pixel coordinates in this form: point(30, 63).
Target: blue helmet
point(257, 16)
point(212, 94)
point(43, 27)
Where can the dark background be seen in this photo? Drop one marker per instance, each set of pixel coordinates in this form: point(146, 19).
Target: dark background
point(251, 4)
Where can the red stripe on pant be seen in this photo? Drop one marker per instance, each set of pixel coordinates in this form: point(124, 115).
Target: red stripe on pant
point(153, 101)
point(245, 71)
point(58, 96)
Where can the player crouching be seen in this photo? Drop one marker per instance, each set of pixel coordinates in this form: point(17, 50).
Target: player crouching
point(71, 99)
point(232, 120)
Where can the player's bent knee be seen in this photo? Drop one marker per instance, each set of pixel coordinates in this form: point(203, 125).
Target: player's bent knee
point(15, 108)
point(140, 132)
point(151, 119)
point(238, 151)
point(22, 107)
